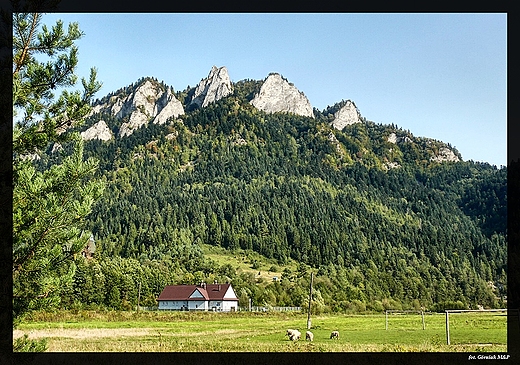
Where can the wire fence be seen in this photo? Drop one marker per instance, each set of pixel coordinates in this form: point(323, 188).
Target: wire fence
point(240, 309)
point(269, 309)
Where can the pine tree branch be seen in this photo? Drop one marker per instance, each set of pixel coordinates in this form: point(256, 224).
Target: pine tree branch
point(25, 52)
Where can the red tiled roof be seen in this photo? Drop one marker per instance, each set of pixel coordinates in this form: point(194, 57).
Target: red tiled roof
point(183, 292)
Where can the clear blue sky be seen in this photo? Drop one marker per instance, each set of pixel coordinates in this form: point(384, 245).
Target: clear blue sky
point(440, 75)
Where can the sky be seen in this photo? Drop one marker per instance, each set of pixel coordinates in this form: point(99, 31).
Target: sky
point(439, 75)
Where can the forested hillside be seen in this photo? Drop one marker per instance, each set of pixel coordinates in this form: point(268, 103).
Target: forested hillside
point(369, 209)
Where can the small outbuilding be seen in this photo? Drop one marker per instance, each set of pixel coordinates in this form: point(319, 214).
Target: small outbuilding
point(202, 297)
point(90, 248)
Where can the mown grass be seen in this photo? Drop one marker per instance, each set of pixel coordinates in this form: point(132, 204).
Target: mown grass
point(86, 331)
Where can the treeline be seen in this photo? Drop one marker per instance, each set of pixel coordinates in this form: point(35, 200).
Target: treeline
point(290, 187)
point(123, 283)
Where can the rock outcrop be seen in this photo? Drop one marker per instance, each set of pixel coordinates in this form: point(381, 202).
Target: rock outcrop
point(278, 95)
point(441, 153)
point(168, 106)
point(392, 138)
point(347, 115)
point(445, 155)
point(213, 88)
point(149, 102)
point(99, 130)
point(391, 165)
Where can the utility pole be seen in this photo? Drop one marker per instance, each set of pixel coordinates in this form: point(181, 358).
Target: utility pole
point(139, 296)
point(310, 299)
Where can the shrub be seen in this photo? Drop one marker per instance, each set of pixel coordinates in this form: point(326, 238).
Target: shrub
point(449, 304)
point(376, 306)
point(391, 304)
point(23, 344)
point(357, 306)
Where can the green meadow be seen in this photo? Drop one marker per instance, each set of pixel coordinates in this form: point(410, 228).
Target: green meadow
point(84, 331)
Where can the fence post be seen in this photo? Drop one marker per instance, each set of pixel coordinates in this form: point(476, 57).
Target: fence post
point(386, 320)
point(422, 315)
point(447, 327)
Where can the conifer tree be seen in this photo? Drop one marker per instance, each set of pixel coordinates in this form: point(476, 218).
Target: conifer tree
point(49, 207)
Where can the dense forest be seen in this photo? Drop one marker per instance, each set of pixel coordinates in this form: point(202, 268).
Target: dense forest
point(381, 224)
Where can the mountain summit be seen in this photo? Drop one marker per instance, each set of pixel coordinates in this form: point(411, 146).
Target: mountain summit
point(214, 87)
point(278, 95)
point(149, 101)
point(347, 115)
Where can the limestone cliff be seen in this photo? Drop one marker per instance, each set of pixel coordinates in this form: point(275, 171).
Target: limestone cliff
point(278, 95)
point(213, 88)
point(347, 115)
point(148, 102)
point(99, 130)
point(445, 155)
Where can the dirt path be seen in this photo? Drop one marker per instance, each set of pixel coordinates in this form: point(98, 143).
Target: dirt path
point(87, 333)
point(115, 332)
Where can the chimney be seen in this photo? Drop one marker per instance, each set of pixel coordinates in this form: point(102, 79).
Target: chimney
point(218, 287)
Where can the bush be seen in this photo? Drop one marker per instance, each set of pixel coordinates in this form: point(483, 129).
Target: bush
point(23, 344)
point(357, 306)
point(447, 305)
point(376, 306)
point(391, 304)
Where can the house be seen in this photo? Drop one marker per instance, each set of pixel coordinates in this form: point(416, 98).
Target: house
point(90, 248)
point(203, 297)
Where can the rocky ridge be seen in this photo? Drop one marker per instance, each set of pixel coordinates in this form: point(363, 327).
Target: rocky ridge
point(347, 115)
point(445, 154)
point(392, 138)
point(278, 95)
point(153, 102)
point(213, 88)
point(148, 103)
point(99, 130)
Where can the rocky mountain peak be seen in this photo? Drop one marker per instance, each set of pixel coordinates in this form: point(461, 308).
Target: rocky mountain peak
point(347, 115)
point(148, 102)
point(278, 95)
point(212, 88)
point(99, 130)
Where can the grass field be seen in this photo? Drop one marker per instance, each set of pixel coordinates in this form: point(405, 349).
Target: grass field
point(242, 260)
point(86, 331)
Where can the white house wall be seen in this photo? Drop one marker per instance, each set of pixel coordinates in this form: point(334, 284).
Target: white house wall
point(229, 305)
point(215, 305)
point(230, 293)
point(173, 304)
point(198, 305)
point(203, 305)
point(198, 302)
